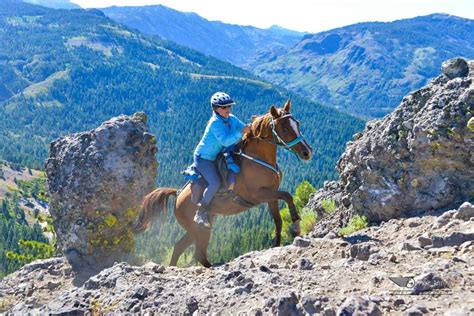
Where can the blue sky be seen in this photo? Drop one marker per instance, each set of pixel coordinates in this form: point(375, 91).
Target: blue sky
point(302, 15)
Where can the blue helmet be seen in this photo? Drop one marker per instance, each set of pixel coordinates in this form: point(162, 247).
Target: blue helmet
point(221, 99)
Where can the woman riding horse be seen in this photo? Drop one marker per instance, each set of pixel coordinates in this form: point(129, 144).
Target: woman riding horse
point(223, 130)
point(257, 183)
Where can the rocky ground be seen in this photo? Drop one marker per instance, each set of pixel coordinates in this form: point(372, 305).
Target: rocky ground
point(431, 254)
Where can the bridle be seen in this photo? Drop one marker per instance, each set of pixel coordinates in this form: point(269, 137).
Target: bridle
point(277, 140)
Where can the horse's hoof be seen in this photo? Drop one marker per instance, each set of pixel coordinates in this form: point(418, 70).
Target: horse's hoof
point(276, 242)
point(295, 228)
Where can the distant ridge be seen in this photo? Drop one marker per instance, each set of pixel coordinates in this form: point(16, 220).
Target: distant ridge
point(367, 68)
point(236, 44)
point(55, 4)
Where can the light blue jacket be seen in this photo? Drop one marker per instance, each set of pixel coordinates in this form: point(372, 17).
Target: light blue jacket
point(219, 133)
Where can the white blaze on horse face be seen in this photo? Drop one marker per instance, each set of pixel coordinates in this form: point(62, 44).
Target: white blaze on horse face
point(294, 127)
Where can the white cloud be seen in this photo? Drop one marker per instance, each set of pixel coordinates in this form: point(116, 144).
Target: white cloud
point(302, 15)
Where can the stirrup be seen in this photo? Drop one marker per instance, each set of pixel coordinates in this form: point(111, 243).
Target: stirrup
point(201, 218)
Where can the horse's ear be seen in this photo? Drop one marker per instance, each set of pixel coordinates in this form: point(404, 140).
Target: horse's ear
point(287, 106)
point(274, 111)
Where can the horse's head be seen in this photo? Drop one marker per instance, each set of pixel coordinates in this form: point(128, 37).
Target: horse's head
point(280, 125)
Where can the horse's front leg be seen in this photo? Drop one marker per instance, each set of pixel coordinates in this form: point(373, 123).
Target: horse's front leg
point(275, 211)
point(269, 195)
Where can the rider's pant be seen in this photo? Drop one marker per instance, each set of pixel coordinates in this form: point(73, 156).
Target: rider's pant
point(208, 170)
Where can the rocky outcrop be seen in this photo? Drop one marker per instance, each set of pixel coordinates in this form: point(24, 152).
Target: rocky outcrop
point(323, 276)
point(420, 157)
point(96, 181)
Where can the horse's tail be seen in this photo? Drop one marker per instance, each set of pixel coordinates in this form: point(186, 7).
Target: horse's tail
point(154, 204)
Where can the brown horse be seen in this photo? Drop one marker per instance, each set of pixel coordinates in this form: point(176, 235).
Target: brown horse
point(255, 183)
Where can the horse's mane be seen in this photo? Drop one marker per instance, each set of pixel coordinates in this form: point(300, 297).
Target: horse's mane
point(259, 128)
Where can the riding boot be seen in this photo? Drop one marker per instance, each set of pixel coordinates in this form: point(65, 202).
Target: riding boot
point(202, 216)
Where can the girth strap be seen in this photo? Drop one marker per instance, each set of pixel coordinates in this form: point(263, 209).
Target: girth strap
point(235, 198)
point(240, 200)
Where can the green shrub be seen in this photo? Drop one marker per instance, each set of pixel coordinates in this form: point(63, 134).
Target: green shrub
point(328, 205)
point(30, 251)
point(356, 223)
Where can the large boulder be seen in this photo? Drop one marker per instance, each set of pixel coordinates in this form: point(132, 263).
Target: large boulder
point(419, 157)
point(96, 181)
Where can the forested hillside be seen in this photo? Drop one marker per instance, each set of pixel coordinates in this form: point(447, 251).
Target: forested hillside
point(236, 44)
point(68, 71)
point(25, 225)
point(367, 68)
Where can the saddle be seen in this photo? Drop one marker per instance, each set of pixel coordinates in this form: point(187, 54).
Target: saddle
point(227, 167)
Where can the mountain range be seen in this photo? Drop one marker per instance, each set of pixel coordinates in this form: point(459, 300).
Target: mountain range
point(232, 43)
point(367, 68)
point(364, 69)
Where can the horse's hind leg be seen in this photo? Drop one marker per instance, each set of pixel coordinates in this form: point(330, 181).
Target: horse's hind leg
point(202, 242)
point(179, 248)
point(275, 211)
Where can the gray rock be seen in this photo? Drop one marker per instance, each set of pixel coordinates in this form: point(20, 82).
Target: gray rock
point(301, 242)
point(414, 224)
point(329, 312)
point(363, 251)
point(140, 292)
point(458, 259)
point(375, 258)
point(455, 67)
point(465, 212)
point(428, 282)
point(68, 311)
point(454, 239)
point(53, 285)
point(409, 247)
point(311, 304)
point(158, 269)
point(413, 311)
point(44, 264)
point(241, 290)
point(256, 312)
point(421, 308)
point(356, 304)
point(330, 235)
point(192, 304)
point(92, 283)
point(305, 264)
point(444, 219)
point(404, 162)
point(96, 181)
point(398, 302)
point(424, 241)
point(286, 305)
point(130, 304)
